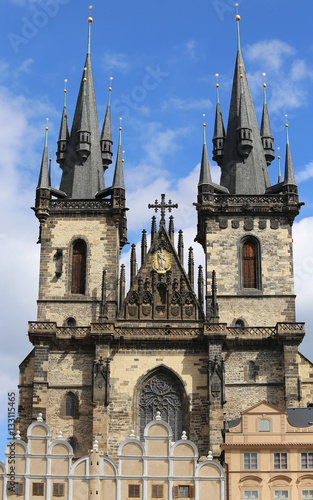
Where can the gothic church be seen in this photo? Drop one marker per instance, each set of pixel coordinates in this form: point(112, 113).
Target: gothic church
point(106, 361)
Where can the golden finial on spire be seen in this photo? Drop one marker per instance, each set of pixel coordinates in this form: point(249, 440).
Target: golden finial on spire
point(217, 84)
point(65, 82)
point(278, 157)
point(123, 156)
point(241, 75)
point(204, 124)
point(286, 121)
point(90, 18)
point(237, 17)
point(264, 75)
point(120, 127)
point(110, 87)
point(50, 159)
point(47, 123)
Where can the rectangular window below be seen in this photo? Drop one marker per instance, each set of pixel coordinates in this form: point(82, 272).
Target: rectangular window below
point(157, 491)
point(38, 489)
point(251, 494)
point(58, 489)
point(281, 494)
point(134, 490)
point(307, 495)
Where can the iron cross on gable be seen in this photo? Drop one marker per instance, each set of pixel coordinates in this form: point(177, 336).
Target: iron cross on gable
point(163, 206)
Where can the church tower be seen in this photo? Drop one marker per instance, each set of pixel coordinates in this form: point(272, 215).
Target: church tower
point(82, 231)
point(106, 361)
point(245, 228)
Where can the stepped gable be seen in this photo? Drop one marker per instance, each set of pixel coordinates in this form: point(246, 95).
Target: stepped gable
point(162, 289)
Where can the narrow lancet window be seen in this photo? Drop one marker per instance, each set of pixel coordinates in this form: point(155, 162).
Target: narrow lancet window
point(70, 405)
point(249, 265)
point(79, 267)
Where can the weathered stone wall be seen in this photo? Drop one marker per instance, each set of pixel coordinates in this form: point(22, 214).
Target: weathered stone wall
point(56, 302)
point(274, 301)
point(268, 384)
point(129, 366)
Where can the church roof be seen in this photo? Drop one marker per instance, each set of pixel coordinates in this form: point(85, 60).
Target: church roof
point(243, 175)
point(83, 178)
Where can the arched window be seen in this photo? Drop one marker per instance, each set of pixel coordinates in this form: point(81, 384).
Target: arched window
point(249, 264)
point(79, 267)
point(70, 405)
point(251, 371)
point(70, 322)
point(239, 324)
point(162, 393)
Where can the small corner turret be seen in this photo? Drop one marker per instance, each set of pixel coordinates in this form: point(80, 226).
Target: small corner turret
point(266, 133)
point(64, 134)
point(289, 184)
point(43, 194)
point(106, 138)
point(219, 130)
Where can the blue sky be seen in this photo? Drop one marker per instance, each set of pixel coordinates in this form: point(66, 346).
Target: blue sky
point(163, 57)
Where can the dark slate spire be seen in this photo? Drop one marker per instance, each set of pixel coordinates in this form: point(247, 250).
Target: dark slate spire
point(143, 247)
point(266, 133)
point(243, 175)
point(181, 246)
point(122, 286)
point(219, 131)
point(200, 286)
point(153, 229)
point(171, 229)
point(191, 267)
point(83, 177)
point(279, 170)
point(63, 134)
point(289, 178)
point(106, 138)
point(205, 173)
point(118, 179)
point(44, 179)
point(133, 264)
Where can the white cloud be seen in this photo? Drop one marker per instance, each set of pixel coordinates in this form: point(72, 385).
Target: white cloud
point(190, 49)
point(187, 104)
point(303, 271)
point(306, 173)
point(116, 61)
point(285, 74)
point(271, 54)
point(20, 135)
point(162, 142)
point(300, 70)
point(286, 95)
